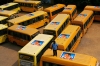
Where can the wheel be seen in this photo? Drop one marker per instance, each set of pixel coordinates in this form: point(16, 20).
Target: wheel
point(45, 23)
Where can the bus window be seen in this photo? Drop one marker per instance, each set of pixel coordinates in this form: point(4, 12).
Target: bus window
point(9, 14)
point(3, 20)
point(3, 33)
point(33, 20)
point(29, 6)
point(20, 34)
point(56, 26)
point(36, 47)
point(11, 6)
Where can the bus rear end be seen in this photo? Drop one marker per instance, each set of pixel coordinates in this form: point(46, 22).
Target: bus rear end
point(54, 10)
point(71, 10)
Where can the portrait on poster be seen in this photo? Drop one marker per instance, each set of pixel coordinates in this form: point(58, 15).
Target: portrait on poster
point(68, 55)
point(37, 42)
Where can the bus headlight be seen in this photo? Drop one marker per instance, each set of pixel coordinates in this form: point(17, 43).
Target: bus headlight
point(97, 64)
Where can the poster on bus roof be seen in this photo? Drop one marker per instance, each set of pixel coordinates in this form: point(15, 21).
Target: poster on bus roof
point(64, 36)
point(21, 27)
point(37, 42)
point(67, 56)
point(55, 23)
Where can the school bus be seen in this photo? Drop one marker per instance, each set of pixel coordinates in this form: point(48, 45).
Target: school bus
point(33, 20)
point(21, 35)
point(9, 14)
point(31, 53)
point(71, 10)
point(3, 33)
point(56, 26)
point(69, 38)
point(84, 19)
point(96, 10)
point(10, 6)
point(3, 20)
point(65, 58)
point(29, 5)
point(54, 10)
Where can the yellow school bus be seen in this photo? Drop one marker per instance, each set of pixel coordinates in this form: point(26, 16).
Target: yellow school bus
point(84, 19)
point(31, 53)
point(69, 38)
point(10, 6)
point(3, 33)
point(29, 5)
point(9, 14)
point(21, 35)
point(3, 20)
point(71, 10)
point(96, 10)
point(56, 26)
point(33, 20)
point(65, 58)
point(54, 10)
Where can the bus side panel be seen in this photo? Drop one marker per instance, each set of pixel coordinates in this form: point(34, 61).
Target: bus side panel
point(97, 17)
point(17, 9)
point(53, 17)
point(90, 23)
point(74, 16)
point(76, 44)
point(28, 9)
point(43, 50)
point(3, 38)
point(37, 24)
point(17, 40)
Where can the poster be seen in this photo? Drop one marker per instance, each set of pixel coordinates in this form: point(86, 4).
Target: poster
point(96, 6)
point(55, 23)
point(67, 8)
point(21, 27)
point(37, 42)
point(64, 36)
point(83, 15)
point(68, 55)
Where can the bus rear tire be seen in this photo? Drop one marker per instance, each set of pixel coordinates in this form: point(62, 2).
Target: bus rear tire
point(14, 43)
point(45, 23)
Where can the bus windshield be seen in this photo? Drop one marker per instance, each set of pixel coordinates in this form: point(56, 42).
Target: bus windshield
point(50, 32)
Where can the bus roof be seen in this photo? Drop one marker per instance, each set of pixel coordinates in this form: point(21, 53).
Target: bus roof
point(58, 19)
point(83, 16)
point(34, 49)
point(79, 59)
point(94, 8)
point(3, 26)
point(27, 30)
point(3, 17)
point(7, 12)
point(71, 31)
point(54, 7)
point(8, 4)
point(26, 17)
point(69, 9)
point(27, 1)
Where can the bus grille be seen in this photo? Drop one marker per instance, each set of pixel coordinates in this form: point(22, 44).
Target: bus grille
point(25, 63)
